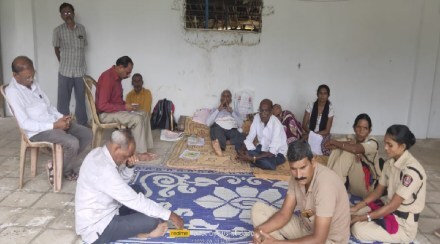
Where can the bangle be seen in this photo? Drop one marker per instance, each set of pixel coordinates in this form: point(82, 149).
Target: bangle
point(255, 159)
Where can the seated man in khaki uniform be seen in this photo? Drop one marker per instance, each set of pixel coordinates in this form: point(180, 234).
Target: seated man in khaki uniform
point(320, 195)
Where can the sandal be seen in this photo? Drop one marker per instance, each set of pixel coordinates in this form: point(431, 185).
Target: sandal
point(49, 170)
point(72, 177)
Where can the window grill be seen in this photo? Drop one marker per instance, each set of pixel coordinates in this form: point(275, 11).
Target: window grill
point(240, 15)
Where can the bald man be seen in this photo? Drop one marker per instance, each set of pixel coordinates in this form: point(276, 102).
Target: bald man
point(102, 188)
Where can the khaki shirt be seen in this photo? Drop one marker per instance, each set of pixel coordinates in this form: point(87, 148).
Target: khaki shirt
point(326, 197)
point(405, 177)
point(371, 148)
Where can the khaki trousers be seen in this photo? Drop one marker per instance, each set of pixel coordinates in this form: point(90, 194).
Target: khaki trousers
point(292, 230)
point(370, 231)
point(345, 165)
point(138, 122)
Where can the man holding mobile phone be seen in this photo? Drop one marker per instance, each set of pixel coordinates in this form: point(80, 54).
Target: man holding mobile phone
point(41, 121)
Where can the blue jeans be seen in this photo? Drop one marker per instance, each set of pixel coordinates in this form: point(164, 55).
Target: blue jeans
point(266, 162)
point(129, 223)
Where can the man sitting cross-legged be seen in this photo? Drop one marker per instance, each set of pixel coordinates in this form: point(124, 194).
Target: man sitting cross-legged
point(318, 193)
point(102, 188)
point(271, 138)
point(223, 123)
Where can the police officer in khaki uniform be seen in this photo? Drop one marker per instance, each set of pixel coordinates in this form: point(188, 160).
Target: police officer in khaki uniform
point(318, 193)
point(355, 153)
point(405, 179)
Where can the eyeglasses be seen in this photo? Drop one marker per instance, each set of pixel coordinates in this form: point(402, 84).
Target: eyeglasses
point(67, 13)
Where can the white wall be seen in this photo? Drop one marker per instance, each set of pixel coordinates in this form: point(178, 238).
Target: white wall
point(377, 56)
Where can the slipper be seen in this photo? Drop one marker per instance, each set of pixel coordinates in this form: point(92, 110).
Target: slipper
point(72, 177)
point(49, 170)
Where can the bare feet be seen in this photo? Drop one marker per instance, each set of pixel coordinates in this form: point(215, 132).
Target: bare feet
point(146, 156)
point(160, 230)
point(216, 146)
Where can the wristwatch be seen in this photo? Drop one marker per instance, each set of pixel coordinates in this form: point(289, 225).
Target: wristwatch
point(369, 217)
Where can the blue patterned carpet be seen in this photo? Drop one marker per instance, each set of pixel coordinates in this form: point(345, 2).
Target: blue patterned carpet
point(215, 207)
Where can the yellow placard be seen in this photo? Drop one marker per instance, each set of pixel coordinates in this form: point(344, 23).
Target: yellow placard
point(179, 233)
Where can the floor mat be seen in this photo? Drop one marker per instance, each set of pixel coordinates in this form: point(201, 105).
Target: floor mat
point(207, 160)
point(215, 207)
point(282, 172)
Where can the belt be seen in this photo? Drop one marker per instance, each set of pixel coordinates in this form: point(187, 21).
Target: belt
point(405, 215)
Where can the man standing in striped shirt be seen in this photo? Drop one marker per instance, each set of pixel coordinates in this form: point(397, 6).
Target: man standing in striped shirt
point(70, 40)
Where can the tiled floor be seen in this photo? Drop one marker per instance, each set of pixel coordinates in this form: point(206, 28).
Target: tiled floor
point(35, 214)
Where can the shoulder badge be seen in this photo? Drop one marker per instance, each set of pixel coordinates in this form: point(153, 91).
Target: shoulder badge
point(407, 180)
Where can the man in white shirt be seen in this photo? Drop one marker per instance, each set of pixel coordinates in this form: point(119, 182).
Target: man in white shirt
point(41, 121)
point(272, 146)
point(223, 123)
point(107, 209)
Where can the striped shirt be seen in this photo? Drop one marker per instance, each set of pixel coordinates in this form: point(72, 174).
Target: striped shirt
point(71, 44)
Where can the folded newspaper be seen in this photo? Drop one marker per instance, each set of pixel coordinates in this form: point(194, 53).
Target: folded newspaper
point(167, 135)
point(188, 154)
point(196, 141)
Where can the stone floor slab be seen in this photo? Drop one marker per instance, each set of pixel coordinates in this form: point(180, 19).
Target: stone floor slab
point(432, 238)
point(436, 208)
point(36, 185)
point(20, 199)
point(8, 215)
point(8, 184)
point(421, 239)
point(428, 225)
point(55, 236)
point(9, 170)
point(433, 197)
point(66, 220)
point(37, 217)
point(4, 194)
point(432, 186)
point(68, 187)
point(18, 235)
point(54, 200)
point(428, 212)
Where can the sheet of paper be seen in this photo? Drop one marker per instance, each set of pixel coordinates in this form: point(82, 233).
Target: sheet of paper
point(167, 135)
point(188, 154)
point(315, 141)
point(195, 141)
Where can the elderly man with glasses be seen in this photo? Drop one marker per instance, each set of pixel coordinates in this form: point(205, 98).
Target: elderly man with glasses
point(271, 147)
